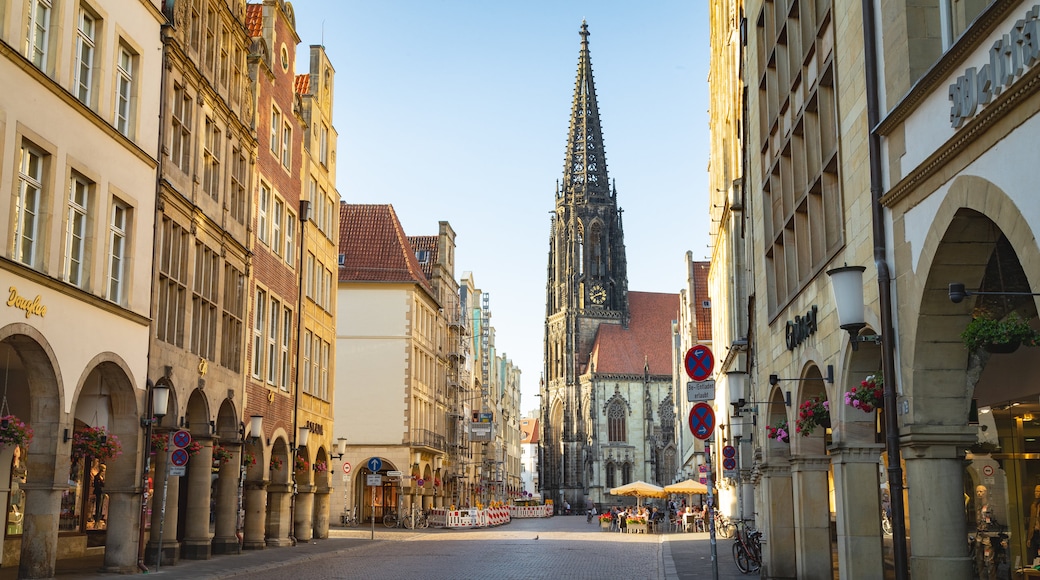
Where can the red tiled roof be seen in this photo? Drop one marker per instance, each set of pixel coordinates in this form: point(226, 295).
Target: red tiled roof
point(254, 19)
point(303, 84)
point(374, 246)
point(647, 340)
point(529, 431)
point(700, 295)
point(428, 243)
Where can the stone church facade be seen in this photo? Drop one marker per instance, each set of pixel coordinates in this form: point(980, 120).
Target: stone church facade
point(608, 408)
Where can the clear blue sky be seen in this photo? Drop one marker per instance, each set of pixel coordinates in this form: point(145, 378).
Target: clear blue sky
point(458, 110)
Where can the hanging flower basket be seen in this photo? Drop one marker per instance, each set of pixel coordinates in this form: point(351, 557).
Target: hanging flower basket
point(812, 413)
point(276, 463)
point(999, 336)
point(14, 432)
point(248, 458)
point(301, 464)
point(160, 442)
point(222, 454)
point(95, 442)
point(321, 466)
point(869, 395)
point(779, 432)
point(193, 448)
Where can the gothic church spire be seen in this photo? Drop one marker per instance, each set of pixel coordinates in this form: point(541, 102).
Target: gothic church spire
point(585, 168)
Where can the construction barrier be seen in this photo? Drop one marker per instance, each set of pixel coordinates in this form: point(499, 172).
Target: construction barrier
point(530, 511)
point(438, 517)
point(471, 518)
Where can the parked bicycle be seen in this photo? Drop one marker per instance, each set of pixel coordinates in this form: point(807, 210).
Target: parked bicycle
point(349, 518)
point(747, 548)
point(418, 519)
point(724, 527)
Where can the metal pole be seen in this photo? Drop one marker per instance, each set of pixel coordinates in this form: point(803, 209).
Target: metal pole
point(711, 513)
point(162, 514)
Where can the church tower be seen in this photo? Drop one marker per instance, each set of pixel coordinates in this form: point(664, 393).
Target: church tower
point(587, 286)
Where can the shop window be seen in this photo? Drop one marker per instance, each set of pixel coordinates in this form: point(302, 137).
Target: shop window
point(16, 502)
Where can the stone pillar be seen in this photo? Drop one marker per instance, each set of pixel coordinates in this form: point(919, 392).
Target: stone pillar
point(225, 537)
point(255, 500)
point(858, 506)
point(279, 498)
point(6, 457)
point(124, 519)
point(303, 513)
point(40, 529)
point(322, 504)
point(164, 514)
point(935, 482)
point(778, 559)
point(812, 515)
point(198, 542)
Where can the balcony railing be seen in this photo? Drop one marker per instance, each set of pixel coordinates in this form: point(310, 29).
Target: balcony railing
point(426, 438)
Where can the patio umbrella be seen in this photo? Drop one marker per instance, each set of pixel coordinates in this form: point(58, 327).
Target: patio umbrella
point(639, 489)
point(689, 486)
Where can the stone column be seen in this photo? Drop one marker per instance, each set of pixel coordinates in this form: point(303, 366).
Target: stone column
point(255, 500)
point(124, 519)
point(812, 515)
point(225, 538)
point(778, 559)
point(935, 482)
point(303, 513)
point(6, 457)
point(858, 506)
point(40, 529)
point(198, 541)
point(279, 497)
point(164, 514)
point(322, 504)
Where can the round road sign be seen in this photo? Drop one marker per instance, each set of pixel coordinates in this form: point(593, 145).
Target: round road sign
point(729, 463)
point(702, 421)
point(729, 451)
point(346, 468)
point(375, 464)
point(179, 457)
point(699, 362)
point(181, 439)
point(420, 482)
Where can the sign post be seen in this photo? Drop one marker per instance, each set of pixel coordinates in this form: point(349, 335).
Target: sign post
point(175, 462)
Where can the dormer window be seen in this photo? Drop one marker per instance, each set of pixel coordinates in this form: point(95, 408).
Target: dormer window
point(423, 256)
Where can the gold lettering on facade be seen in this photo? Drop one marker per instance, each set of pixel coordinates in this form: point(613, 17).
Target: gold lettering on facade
point(30, 307)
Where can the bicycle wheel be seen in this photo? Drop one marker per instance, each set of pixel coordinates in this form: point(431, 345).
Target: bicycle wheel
point(740, 557)
point(725, 529)
point(390, 520)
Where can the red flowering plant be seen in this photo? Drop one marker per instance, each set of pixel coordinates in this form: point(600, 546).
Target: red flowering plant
point(160, 442)
point(301, 464)
point(193, 448)
point(222, 454)
point(779, 432)
point(248, 458)
point(812, 413)
point(868, 395)
point(276, 463)
point(96, 442)
point(14, 431)
point(321, 466)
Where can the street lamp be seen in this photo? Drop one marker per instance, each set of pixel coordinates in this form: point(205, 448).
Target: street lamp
point(847, 285)
point(158, 404)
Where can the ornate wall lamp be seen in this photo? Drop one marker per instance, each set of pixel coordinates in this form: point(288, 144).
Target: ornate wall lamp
point(256, 428)
point(341, 446)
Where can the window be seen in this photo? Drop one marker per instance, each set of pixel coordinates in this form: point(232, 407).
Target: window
point(204, 302)
point(324, 371)
point(85, 56)
point(27, 208)
point(611, 475)
point(236, 76)
point(276, 226)
point(308, 280)
point(259, 324)
point(195, 26)
point(328, 291)
point(306, 364)
point(272, 343)
point(276, 127)
point(211, 160)
point(231, 328)
point(180, 138)
point(286, 341)
point(237, 195)
point(224, 64)
point(322, 218)
point(38, 32)
point(290, 239)
point(262, 203)
point(211, 39)
point(315, 366)
point(616, 422)
point(286, 145)
point(957, 15)
point(124, 90)
point(80, 193)
point(173, 285)
point(330, 216)
point(117, 252)
point(423, 256)
point(323, 145)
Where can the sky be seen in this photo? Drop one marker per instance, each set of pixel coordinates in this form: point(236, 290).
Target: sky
point(458, 111)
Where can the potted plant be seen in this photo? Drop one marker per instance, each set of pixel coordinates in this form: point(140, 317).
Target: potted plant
point(779, 431)
point(812, 413)
point(193, 448)
point(222, 454)
point(95, 442)
point(604, 521)
point(276, 463)
point(869, 395)
point(14, 432)
point(160, 442)
point(321, 466)
point(248, 458)
point(301, 464)
point(1003, 335)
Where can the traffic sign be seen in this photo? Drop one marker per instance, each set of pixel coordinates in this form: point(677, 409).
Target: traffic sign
point(394, 474)
point(177, 470)
point(702, 421)
point(700, 391)
point(419, 482)
point(375, 464)
point(699, 362)
point(181, 439)
point(729, 463)
point(346, 468)
point(179, 457)
point(374, 480)
point(729, 451)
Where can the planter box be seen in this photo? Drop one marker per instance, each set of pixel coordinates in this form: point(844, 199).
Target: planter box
point(605, 526)
point(637, 528)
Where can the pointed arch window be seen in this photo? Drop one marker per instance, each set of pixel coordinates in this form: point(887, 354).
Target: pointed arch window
point(616, 426)
point(626, 474)
point(611, 475)
point(596, 246)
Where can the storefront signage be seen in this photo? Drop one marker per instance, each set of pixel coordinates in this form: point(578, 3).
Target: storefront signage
point(1016, 50)
point(801, 328)
point(34, 306)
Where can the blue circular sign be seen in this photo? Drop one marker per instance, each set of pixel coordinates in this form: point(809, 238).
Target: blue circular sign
point(702, 421)
point(181, 439)
point(179, 457)
point(699, 362)
point(375, 464)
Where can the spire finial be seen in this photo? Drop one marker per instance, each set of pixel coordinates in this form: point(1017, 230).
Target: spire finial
point(584, 32)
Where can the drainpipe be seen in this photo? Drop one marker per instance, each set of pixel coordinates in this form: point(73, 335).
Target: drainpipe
point(895, 469)
point(164, 31)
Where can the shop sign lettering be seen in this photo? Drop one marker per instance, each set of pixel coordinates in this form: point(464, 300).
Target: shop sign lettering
point(801, 328)
point(34, 306)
